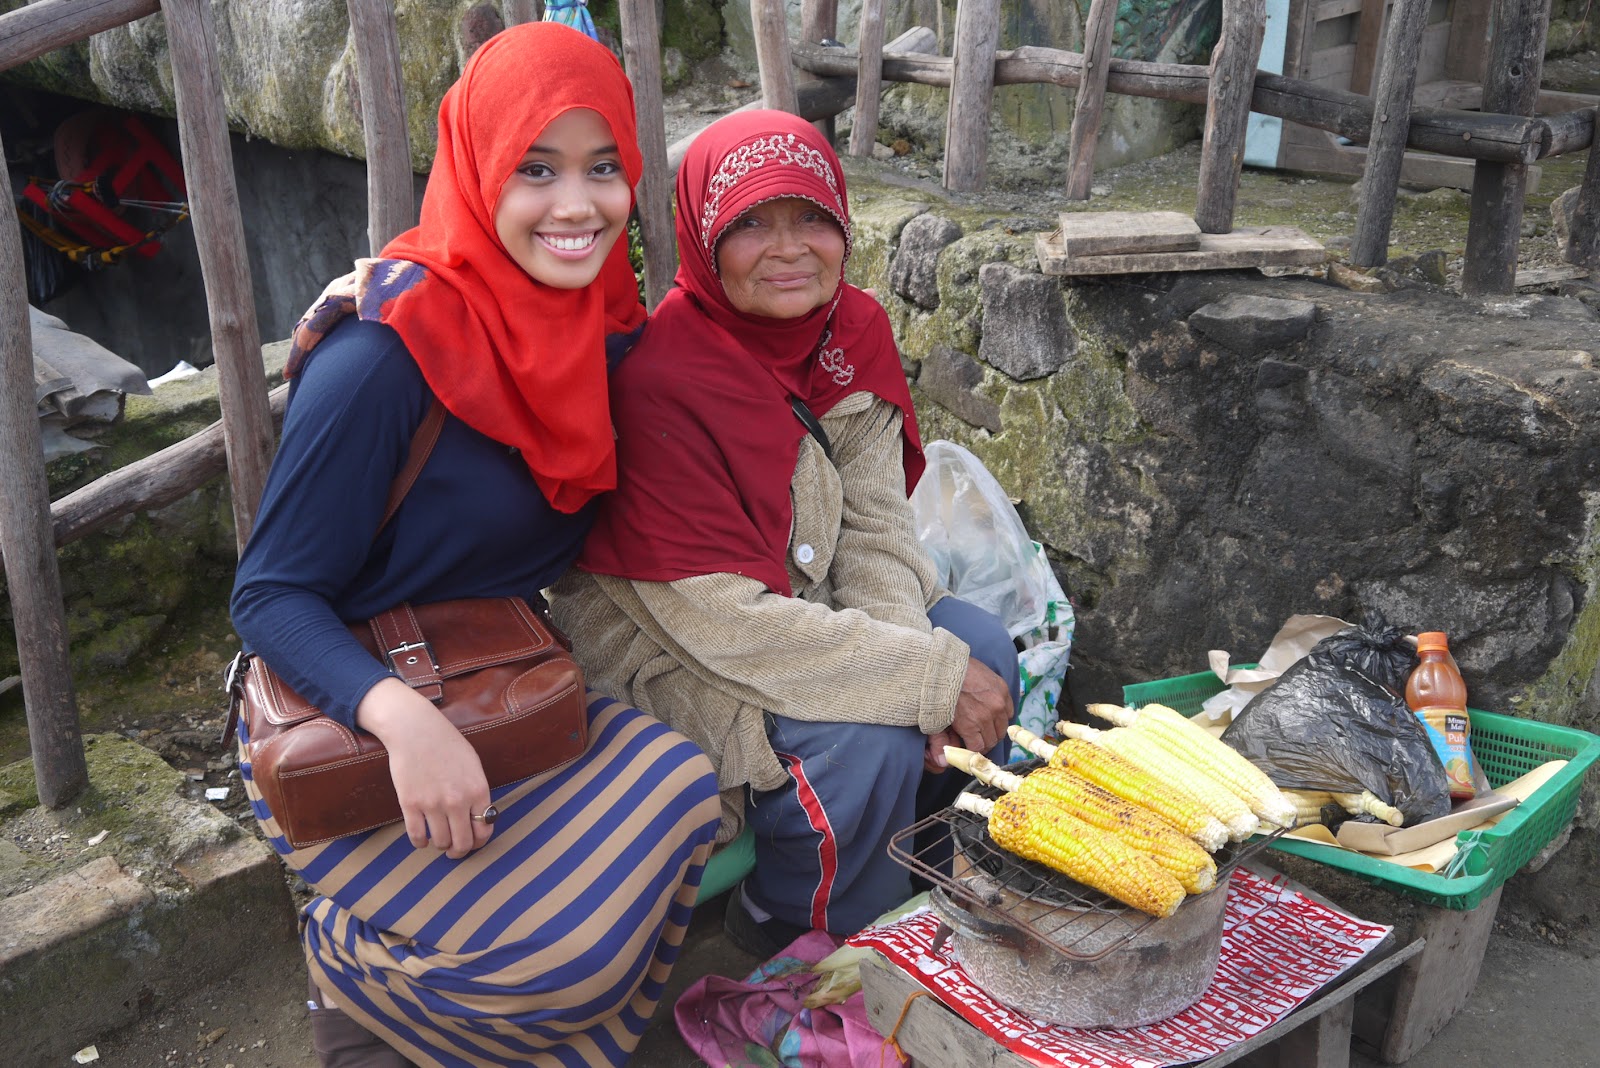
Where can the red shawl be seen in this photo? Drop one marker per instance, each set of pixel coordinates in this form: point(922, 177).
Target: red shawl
point(517, 360)
point(707, 440)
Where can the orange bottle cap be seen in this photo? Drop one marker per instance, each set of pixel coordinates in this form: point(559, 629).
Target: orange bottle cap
point(1433, 639)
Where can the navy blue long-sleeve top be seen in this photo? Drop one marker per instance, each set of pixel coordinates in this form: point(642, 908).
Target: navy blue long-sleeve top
point(474, 525)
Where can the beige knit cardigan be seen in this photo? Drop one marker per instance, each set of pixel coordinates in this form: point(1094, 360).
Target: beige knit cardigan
point(710, 654)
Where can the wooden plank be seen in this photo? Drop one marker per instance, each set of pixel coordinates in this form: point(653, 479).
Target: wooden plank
point(1532, 279)
point(161, 478)
point(966, 132)
point(1248, 246)
point(1511, 86)
point(1386, 148)
point(1469, 41)
point(928, 1033)
point(1431, 56)
point(1315, 151)
point(1436, 984)
point(30, 31)
point(1332, 66)
point(1232, 82)
point(1369, 36)
point(1105, 233)
point(33, 579)
point(1337, 9)
point(869, 78)
point(641, 55)
point(391, 193)
point(1583, 244)
point(771, 24)
point(224, 258)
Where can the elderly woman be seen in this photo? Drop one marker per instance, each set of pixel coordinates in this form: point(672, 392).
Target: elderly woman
point(754, 580)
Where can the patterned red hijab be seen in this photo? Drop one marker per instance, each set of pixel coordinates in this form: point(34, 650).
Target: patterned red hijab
point(707, 440)
point(517, 360)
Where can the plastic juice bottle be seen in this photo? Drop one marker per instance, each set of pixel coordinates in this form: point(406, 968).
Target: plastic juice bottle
point(1438, 695)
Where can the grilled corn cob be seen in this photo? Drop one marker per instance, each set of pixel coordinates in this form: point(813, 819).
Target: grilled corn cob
point(1146, 754)
point(1357, 804)
point(1216, 759)
point(1034, 828)
point(1112, 773)
point(1138, 827)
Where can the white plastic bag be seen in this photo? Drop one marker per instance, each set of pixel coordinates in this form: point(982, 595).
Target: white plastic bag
point(977, 541)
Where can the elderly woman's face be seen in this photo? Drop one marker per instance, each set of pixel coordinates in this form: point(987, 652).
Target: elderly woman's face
point(781, 259)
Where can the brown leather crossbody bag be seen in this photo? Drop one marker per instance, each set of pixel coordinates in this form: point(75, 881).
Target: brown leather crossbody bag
point(497, 669)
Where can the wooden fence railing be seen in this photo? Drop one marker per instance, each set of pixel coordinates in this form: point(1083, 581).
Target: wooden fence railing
point(1502, 140)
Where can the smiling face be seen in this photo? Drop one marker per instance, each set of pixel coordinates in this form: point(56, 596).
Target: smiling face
point(566, 203)
point(782, 258)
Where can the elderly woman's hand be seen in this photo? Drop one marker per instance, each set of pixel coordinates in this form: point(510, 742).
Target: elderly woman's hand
point(983, 710)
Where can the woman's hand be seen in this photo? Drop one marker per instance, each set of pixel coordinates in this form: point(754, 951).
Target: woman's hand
point(436, 772)
point(982, 710)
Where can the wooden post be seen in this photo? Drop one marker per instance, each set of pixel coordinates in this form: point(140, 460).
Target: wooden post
point(1091, 102)
point(1233, 75)
point(819, 21)
point(391, 199)
point(772, 55)
point(520, 11)
point(1391, 122)
point(32, 577)
point(1511, 86)
point(966, 132)
point(30, 31)
point(224, 262)
point(641, 54)
point(1583, 243)
point(869, 78)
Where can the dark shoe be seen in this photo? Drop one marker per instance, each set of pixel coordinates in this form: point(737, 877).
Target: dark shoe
point(763, 939)
point(340, 1042)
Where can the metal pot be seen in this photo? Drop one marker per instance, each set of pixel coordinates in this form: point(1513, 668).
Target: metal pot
point(1161, 970)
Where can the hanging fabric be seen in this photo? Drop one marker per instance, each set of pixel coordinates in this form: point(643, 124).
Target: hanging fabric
point(574, 13)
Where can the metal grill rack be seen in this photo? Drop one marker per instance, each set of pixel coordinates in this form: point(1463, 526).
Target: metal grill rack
point(1016, 895)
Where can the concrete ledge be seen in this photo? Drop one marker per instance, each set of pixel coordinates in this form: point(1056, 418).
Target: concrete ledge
point(95, 948)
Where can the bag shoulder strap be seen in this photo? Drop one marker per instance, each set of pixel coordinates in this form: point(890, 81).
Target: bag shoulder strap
point(813, 425)
point(422, 443)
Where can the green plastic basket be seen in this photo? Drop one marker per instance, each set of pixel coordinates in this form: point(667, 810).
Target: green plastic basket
point(1506, 747)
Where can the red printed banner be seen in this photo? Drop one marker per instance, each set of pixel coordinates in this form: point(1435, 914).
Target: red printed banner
point(1278, 949)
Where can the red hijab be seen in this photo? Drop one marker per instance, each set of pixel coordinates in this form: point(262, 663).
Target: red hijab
point(707, 441)
point(515, 359)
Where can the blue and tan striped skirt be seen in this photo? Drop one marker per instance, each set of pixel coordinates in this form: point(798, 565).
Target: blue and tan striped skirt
point(550, 945)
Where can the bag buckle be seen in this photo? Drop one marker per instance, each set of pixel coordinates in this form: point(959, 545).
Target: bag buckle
point(233, 686)
point(414, 662)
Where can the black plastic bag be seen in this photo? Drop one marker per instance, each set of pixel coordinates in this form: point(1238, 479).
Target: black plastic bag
point(1336, 720)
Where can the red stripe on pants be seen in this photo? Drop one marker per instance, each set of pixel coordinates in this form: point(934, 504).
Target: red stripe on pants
point(827, 848)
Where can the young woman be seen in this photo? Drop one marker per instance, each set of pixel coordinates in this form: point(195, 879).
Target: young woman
point(545, 935)
point(755, 579)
